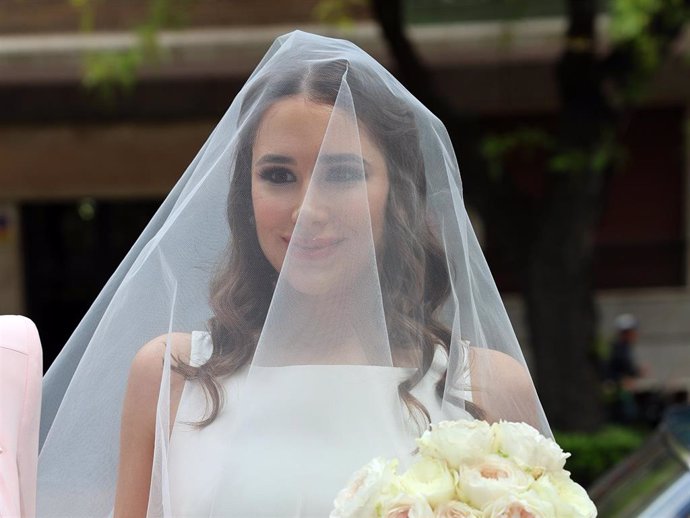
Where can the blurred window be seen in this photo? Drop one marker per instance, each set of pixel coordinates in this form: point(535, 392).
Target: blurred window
point(70, 251)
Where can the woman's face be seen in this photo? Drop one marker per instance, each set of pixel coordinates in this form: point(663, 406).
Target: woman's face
point(319, 191)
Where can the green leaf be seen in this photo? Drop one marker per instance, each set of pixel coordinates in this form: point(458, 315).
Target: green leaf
point(337, 12)
point(494, 148)
point(572, 161)
point(594, 453)
point(108, 73)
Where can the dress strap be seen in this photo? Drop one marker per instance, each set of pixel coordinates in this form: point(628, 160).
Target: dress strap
point(201, 348)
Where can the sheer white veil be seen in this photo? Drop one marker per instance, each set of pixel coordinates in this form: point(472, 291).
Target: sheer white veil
point(319, 252)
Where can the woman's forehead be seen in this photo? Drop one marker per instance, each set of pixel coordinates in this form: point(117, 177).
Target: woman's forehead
point(298, 127)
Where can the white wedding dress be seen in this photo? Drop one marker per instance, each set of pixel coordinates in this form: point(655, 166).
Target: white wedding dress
point(209, 477)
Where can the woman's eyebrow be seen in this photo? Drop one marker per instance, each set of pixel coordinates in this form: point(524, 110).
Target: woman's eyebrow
point(275, 159)
point(335, 158)
point(330, 158)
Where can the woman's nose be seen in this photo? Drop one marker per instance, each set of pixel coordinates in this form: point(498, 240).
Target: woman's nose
point(310, 210)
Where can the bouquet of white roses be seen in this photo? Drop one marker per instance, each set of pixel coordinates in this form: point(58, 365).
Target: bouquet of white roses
point(469, 469)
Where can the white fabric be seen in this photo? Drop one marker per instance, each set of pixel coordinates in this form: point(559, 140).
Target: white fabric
point(195, 451)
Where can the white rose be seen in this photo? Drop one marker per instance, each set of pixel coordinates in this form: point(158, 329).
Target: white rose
point(525, 505)
point(489, 479)
point(405, 506)
point(457, 442)
point(568, 497)
point(359, 497)
point(528, 448)
point(455, 509)
point(431, 479)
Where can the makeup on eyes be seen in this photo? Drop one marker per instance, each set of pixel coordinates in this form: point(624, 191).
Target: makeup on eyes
point(340, 168)
point(277, 175)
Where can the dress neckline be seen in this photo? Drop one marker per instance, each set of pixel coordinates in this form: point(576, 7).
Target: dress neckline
point(202, 348)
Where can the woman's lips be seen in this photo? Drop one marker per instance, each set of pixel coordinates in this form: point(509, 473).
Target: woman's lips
point(312, 248)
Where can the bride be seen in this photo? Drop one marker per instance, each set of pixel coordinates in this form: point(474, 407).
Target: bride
point(318, 297)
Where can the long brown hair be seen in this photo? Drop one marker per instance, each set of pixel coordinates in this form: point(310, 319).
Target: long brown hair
point(413, 272)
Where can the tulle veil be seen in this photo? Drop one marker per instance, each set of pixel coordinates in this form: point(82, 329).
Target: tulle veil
point(318, 267)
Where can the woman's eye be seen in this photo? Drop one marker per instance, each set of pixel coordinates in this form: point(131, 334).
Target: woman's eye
point(344, 174)
point(277, 175)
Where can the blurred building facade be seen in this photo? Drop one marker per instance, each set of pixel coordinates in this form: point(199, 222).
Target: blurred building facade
point(79, 177)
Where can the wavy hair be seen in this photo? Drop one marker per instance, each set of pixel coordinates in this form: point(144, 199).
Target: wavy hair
point(413, 270)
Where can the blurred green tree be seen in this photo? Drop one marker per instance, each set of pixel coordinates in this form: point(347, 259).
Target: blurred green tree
point(110, 72)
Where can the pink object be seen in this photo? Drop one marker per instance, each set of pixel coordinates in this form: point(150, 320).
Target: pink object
point(20, 408)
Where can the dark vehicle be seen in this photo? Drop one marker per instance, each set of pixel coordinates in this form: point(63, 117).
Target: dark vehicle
point(655, 480)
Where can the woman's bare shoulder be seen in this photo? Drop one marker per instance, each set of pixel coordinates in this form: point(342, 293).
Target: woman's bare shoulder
point(145, 376)
point(151, 354)
point(512, 396)
point(147, 366)
point(503, 365)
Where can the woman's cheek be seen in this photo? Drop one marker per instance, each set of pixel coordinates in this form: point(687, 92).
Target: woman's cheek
point(271, 217)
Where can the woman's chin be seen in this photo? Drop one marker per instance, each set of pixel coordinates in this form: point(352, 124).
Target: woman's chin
point(314, 283)
point(329, 271)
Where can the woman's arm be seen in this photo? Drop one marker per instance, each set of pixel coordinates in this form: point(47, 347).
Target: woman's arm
point(138, 425)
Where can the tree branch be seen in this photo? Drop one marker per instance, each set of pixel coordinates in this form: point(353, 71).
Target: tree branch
point(625, 67)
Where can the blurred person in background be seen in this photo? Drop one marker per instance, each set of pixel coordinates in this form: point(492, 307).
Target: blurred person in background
point(622, 370)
